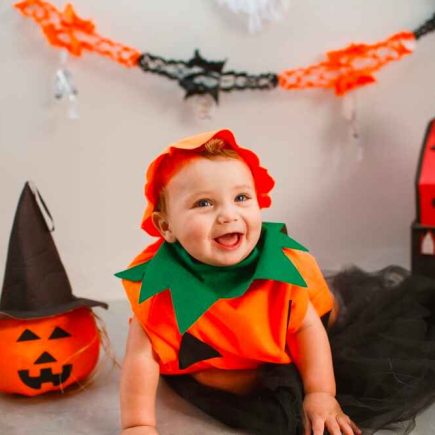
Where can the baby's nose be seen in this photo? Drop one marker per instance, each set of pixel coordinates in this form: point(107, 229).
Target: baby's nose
point(227, 214)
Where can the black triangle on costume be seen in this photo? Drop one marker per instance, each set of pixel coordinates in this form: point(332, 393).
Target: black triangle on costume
point(193, 350)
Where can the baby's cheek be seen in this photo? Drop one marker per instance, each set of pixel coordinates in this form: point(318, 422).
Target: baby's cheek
point(255, 222)
point(194, 231)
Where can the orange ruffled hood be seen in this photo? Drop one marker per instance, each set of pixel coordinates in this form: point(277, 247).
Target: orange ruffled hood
point(263, 181)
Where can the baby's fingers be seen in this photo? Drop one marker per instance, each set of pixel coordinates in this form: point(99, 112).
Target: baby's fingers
point(347, 426)
point(334, 428)
point(307, 425)
point(354, 427)
point(318, 426)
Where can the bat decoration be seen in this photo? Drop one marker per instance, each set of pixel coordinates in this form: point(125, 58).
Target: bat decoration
point(199, 76)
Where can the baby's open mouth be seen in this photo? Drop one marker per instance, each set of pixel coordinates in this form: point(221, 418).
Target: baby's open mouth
point(229, 240)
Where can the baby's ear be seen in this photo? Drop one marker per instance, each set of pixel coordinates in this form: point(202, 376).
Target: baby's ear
point(161, 223)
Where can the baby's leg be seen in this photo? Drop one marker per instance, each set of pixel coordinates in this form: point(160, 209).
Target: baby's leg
point(239, 382)
point(275, 407)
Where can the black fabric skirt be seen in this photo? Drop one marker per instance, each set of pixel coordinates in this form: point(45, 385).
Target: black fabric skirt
point(383, 346)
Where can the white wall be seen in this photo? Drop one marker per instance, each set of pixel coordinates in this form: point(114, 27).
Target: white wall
point(91, 171)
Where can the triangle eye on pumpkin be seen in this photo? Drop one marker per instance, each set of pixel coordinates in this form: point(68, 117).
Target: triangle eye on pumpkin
point(58, 333)
point(28, 335)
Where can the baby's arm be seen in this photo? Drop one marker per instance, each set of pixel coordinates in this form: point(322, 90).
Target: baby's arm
point(311, 353)
point(139, 379)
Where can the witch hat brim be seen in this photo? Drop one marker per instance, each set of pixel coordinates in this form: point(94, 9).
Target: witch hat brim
point(35, 282)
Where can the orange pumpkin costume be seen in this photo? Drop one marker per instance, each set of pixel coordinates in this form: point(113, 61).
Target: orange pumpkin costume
point(262, 317)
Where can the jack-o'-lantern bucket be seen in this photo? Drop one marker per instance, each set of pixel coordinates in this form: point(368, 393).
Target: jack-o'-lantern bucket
point(49, 339)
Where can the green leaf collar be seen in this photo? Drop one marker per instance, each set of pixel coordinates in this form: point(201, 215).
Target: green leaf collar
point(196, 286)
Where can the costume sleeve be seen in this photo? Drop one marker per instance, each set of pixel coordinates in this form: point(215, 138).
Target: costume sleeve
point(317, 288)
point(132, 289)
point(298, 306)
point(155, 313)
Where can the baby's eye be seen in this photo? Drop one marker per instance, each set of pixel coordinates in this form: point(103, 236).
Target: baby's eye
point(241, 197)
point(203, 203)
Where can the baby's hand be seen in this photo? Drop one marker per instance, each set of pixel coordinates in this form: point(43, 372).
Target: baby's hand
point(140, 430)
point(322, 412)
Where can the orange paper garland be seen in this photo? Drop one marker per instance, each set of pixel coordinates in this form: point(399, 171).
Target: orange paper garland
point(351, 67)
point(67, 30)
point(343, 70)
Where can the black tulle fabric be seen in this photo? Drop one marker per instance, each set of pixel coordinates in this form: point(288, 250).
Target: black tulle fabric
point(383, 346)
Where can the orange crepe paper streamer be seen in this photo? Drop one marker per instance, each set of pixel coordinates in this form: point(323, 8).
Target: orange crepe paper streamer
point(351, 67)
point(67, 30)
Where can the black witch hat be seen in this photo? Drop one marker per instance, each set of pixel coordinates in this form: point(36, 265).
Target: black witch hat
point(35, 282)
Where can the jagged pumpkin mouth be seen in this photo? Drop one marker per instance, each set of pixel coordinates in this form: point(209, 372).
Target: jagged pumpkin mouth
point(46, 375)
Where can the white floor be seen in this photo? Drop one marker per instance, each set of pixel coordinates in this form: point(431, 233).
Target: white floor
point(95, 410)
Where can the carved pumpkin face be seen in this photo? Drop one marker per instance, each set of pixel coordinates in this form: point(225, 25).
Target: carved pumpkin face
point(47, 354)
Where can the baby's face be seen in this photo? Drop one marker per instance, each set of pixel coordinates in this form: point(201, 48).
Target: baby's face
point(212, 210)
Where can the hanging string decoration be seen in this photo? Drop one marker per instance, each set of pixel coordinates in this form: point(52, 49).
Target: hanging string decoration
point(257, 11)
point(343, 70)
point(199, 76)
point(64, 87)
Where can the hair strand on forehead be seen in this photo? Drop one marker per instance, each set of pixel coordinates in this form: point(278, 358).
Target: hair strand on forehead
point(216, 147)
